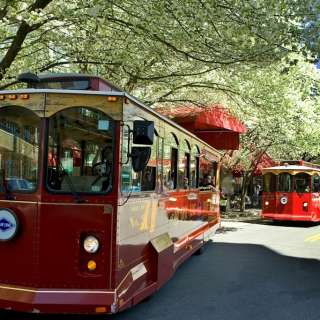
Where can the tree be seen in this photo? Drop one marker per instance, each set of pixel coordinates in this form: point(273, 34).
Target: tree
point(282, 118)
point(18, 21)
point(248, 55)
point(155, 49)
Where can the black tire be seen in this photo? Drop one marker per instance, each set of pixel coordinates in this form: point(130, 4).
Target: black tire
point(200, 251)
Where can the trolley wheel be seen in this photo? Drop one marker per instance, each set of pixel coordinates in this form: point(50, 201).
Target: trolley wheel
point(200, 251)
point(148, 298)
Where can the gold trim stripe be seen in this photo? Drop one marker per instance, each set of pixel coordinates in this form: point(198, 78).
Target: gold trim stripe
point(19, 201)
point(55, 203)
point(292, 172)
point(53, 291)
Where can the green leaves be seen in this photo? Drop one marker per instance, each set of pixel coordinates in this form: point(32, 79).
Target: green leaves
point(248, 55)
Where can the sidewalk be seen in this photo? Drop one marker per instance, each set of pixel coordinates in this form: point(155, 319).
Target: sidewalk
point(247, 215)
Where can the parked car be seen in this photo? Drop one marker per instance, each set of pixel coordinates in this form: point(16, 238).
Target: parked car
point(19, 184)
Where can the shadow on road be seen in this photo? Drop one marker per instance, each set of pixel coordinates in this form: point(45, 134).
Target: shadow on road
point(292, 224)
point(229, 281)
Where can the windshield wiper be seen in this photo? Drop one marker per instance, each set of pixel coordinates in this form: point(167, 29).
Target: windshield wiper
point(75, 194)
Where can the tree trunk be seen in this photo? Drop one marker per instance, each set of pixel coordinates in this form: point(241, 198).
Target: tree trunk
point(21, 34)
point(245, 184)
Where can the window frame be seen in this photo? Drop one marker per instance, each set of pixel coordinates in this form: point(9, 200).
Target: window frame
point(275, 185)
point(292, 182)
point(213, 168)
point(294, 186)
point(46, 162)
point(312, 183)
point(155, 146)
point(42, 125)
point(174, 166)
point(170, 147)
point(184, 155)
point(195, 156)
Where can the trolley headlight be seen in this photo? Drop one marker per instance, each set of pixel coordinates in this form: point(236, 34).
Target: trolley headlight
point(91, 244)
point(266, 203)
point(305, 204)
point(284, 200)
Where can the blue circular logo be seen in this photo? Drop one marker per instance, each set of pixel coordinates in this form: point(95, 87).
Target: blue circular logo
point(8, 224)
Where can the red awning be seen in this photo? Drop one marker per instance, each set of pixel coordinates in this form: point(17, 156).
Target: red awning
point(215, 124)
point(265, 161)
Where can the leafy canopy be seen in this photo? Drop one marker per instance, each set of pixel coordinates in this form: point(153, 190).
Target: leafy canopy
point(253, 56)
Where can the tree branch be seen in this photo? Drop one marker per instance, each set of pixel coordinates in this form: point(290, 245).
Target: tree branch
point(22, 32)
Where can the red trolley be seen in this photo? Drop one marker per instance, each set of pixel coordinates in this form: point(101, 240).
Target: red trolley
point(101, 197)
point(291, 192)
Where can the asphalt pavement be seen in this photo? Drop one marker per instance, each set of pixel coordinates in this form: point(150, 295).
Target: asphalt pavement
point(252, 270)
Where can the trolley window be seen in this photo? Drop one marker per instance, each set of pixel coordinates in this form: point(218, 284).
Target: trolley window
point(269, 182)
point(207, 173)
point(19, 148)
point(184, 165)
point(316, 184)
point(145, 180)
point(194, 167)
point(67, 84)
point(170, 161)
point(302, 183)
point(80, 151)
point(285, 182)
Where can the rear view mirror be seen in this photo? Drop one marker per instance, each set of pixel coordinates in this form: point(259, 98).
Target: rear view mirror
point(140, 157)
point(143, 132)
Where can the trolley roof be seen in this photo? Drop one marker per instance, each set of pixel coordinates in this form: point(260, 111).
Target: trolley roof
point(109, 93)
point(291, 169)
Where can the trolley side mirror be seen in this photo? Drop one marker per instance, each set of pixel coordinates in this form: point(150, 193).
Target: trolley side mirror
point(143, 132)
point(140, 157)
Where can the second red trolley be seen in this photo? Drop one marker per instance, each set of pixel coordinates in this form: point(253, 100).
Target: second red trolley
point(291, 191)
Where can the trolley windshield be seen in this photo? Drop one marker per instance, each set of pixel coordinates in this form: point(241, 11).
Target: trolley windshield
point(19, 149)
point(80, 151)
point(269, 182)
point(287, 182)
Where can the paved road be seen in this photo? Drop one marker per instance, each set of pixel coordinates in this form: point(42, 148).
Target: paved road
point(251, 271)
